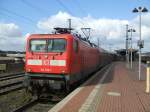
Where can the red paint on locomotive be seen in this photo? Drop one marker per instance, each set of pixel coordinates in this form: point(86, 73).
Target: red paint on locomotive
point(62, 57)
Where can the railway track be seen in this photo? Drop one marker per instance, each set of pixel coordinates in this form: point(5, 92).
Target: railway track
point(11, 83)
point(38, 105)
point(26, 106)
point(11, 76)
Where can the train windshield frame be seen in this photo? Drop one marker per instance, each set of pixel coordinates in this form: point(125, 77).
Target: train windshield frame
point(48, 45)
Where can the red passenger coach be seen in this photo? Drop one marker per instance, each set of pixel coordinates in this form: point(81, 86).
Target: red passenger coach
point(56, 61)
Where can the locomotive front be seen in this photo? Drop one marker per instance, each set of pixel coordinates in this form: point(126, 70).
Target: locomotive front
point(47, 62)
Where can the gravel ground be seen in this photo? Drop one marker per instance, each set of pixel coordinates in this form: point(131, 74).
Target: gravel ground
point(41, 107)
point(13, 100)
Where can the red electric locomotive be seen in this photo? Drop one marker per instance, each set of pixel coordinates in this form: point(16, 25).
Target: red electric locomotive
point(56, 61)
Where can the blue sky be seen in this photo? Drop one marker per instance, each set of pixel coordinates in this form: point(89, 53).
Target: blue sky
point(27, 13)
point(37, 9)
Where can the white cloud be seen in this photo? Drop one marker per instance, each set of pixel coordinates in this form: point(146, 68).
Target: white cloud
point(145, 26)
point(15, 44)
point(145, 20)
point(110, 31)
point(11, 37)
point(107, 27)
point(9, 30)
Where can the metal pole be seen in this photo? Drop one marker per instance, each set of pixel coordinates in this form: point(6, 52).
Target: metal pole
point(69, 20)
point(127, 53)
point(131, 48)
point(126, 43)
point(98, 42)
point(140, 46)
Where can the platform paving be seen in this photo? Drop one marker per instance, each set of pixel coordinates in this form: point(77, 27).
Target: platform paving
point(115, 90)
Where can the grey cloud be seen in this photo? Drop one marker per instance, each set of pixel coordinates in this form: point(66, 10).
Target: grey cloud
point(10, 30)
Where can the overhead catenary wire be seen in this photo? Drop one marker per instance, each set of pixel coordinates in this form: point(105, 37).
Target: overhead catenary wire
point(35, 7)
point(81, 9)
point(87, 29)
point(79, 6)
point(18, 15)
point(29, 4)
point(59, 1)
point(68, 10)
point(3, 14)
point(12, 17)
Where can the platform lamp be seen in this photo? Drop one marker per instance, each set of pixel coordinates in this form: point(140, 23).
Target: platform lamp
point(131, 57)
point(140, 10)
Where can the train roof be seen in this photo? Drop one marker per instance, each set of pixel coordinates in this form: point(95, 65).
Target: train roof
point(64, 35)
point(45, 35)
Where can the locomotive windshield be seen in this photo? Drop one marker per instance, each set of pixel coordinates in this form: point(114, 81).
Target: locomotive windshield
point(56, 45)
point(48, 45)
point(38, 45)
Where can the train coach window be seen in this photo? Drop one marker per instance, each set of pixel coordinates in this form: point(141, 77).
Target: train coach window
point(75, 45)
point(38, 45)
point(56, 45)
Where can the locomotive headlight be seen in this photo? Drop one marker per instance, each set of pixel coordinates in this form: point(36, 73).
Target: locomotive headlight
point(63, 71)
point(29, 70)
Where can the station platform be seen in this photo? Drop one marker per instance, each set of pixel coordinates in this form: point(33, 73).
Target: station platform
point(115, 88)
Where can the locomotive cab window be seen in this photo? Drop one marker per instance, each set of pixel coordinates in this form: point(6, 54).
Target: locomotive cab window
point(48, 45)
point(75, 45)
point(38, 45)
point(56, 45)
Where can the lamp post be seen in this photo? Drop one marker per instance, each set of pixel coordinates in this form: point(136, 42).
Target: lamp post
point(131, 30)
point(140, 10)
point(127, 53)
